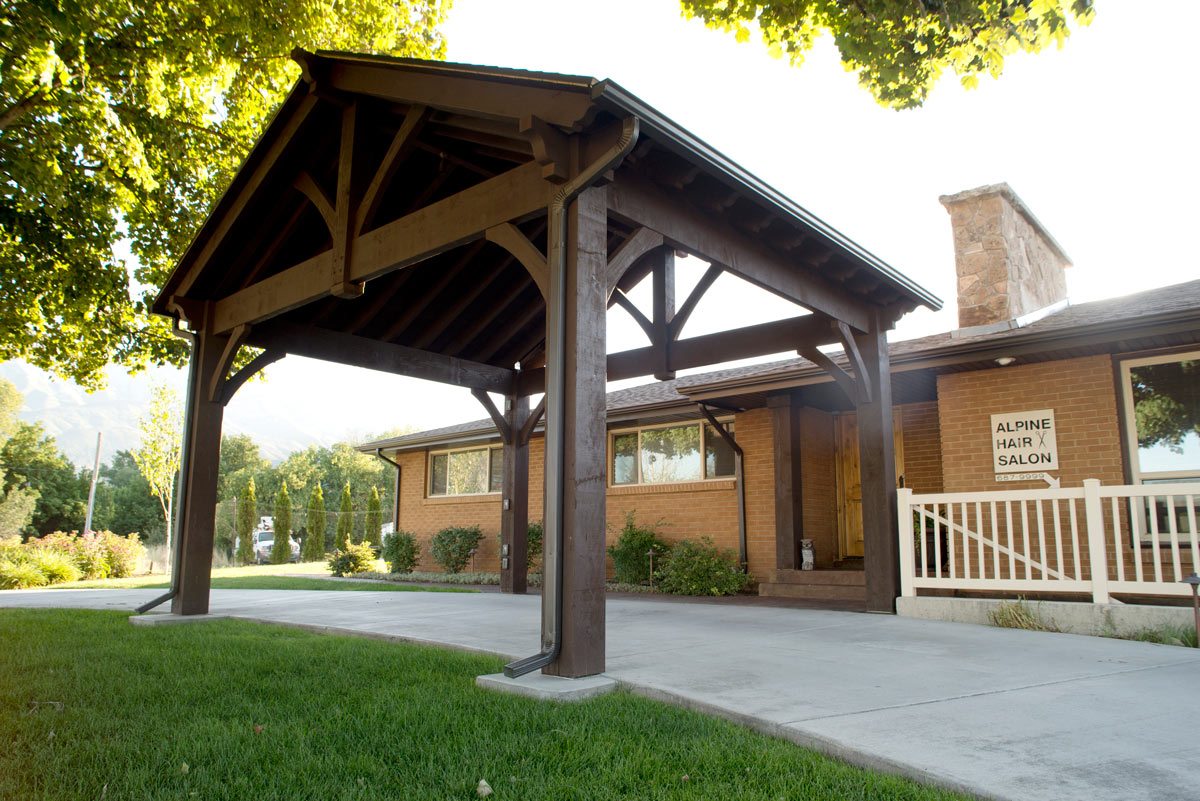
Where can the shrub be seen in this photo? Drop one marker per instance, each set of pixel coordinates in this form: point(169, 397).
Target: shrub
point(20, 574)
point(631, 562)
point(400, 551)
point(120, 553)
point(56, 567)
point(356, 558)
point(452, 547)
point(700, 568)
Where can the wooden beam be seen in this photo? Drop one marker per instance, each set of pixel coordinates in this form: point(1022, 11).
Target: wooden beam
point(315, 343)
point(255, 365)
point(248, 189)
point(531, 423)
point(502, 425)
point(448, 276)
point(342, 284)
point(663, 279)
point(639, 202)
point(401, 145)
point(789, 514)
point(622, 300)
point(724, 346)
point(514, 508)
point(509, 237)
point(442, 88)
point(436, 228)
point(851, 387)
point(640, 242)
point(307, 186)
point(228, 353)
point(551, 148)
point(685, 311)
point(861, 373)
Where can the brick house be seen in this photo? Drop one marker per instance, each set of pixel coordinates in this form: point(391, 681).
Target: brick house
point(1020, 348)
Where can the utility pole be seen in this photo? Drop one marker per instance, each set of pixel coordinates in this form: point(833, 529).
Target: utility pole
point(87, 524)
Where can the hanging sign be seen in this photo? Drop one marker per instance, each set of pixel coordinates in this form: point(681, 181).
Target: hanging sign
point(1024, 442)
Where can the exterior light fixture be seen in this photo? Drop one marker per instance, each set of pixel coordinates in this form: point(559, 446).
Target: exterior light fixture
point(1194, 580)
point(1005, 361)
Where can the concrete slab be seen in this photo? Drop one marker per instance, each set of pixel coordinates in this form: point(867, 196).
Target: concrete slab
point(548, 688)
point(168, 619)
point(1000, 713)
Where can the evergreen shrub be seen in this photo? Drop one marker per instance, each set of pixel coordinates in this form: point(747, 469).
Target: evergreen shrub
point(700, 568)
point(451, 547)
point(400, 551)
point(631, 560)
point(356, 558)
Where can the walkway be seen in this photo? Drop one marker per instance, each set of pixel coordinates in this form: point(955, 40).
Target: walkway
point(1005, 714)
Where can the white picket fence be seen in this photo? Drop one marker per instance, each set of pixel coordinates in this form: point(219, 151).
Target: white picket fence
point(1095, 539)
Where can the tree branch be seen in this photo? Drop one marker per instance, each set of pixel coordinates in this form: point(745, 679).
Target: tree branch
point(19, 109)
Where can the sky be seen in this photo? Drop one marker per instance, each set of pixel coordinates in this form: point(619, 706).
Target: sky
point(1099, 140)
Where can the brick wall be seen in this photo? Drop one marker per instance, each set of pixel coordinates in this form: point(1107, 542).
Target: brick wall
point(922, 447)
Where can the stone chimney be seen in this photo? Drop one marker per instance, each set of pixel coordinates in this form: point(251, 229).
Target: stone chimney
point(1008, 264)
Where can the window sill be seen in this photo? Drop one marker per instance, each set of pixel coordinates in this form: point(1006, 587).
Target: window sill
point(682, 486)
point(445, 500)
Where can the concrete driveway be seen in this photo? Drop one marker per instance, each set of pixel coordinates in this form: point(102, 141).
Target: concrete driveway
point(1000, 713)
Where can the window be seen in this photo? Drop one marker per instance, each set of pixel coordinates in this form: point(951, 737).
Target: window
point(1162, 414)
point(666, 454)
point(473, 471)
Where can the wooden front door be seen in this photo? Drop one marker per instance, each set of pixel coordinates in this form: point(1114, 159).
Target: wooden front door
point(849, 482)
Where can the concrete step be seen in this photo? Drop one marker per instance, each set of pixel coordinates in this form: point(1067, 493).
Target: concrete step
point(851, 578)
point(826, 592)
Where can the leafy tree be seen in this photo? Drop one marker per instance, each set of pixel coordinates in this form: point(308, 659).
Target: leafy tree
point(128, 119)
point(281, 550)
point(374, 519)
point(241, 461)
point(16, 503)
point(246, 513)
point(124, 502)
point(158, 454)
point(31, 462)
point(345, 520)
point(899, 48)
point(313, 547)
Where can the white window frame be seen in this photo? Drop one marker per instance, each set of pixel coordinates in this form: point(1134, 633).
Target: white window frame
point(704, 424)
point(447, 451)
point(1131, 437)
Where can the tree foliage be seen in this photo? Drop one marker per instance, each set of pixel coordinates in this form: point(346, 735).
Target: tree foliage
point(16, 503)
point(32, 463)
point(158, 453)
point(345, 520)
point(247, 506)
point(1166, 400)
point(900, 48)
point(281, 549)
point(124, 502)
point(313, 547)
point(374, 524)
point(123, 119)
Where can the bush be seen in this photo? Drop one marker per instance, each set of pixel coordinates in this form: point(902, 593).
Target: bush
point(121, 553)
point(400, 552)
point(20, 574)
point(631, 563)
point(56, 567)
point(452, 547)
point(356, 558)
point(700, 568)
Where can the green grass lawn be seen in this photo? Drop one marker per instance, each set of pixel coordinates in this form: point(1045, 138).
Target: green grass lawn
point(259, 577)
point(235, 710)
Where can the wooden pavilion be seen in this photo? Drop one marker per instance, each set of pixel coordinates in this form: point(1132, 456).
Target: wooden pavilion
point(472, 225)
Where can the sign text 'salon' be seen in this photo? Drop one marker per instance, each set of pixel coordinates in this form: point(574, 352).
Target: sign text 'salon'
point(1024, 441)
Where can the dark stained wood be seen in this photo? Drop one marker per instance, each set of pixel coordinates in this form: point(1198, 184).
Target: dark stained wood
point(663, 279)
point(413, 310)
point(621, 299)
point(789, 519)
point(514, 512)
point(532, 421)
point(228, 353)
point(583, 436)
point(232, 384)
point(881, 559)
point(551, 148)
point(316, 343)
point(515, 323)
point(854, 357)
point(847, 382)
point(200, 463)
point(279, 144)
point(679, 320)
point(497, 417)
point(400, 146)
point(509, 237)
point(639, 202)
point(402, 243)
point(342, 283)
point(641, 242)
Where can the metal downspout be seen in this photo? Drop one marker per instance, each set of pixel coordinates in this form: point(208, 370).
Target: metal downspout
point(552, 603)
point(396, 500)
point(176, 551)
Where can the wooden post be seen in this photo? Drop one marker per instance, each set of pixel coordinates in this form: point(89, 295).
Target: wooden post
point(877, 466)
point(663, 277)
point(789, 520)
point(582, 429)
point(200, 464)
point(514, 514)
